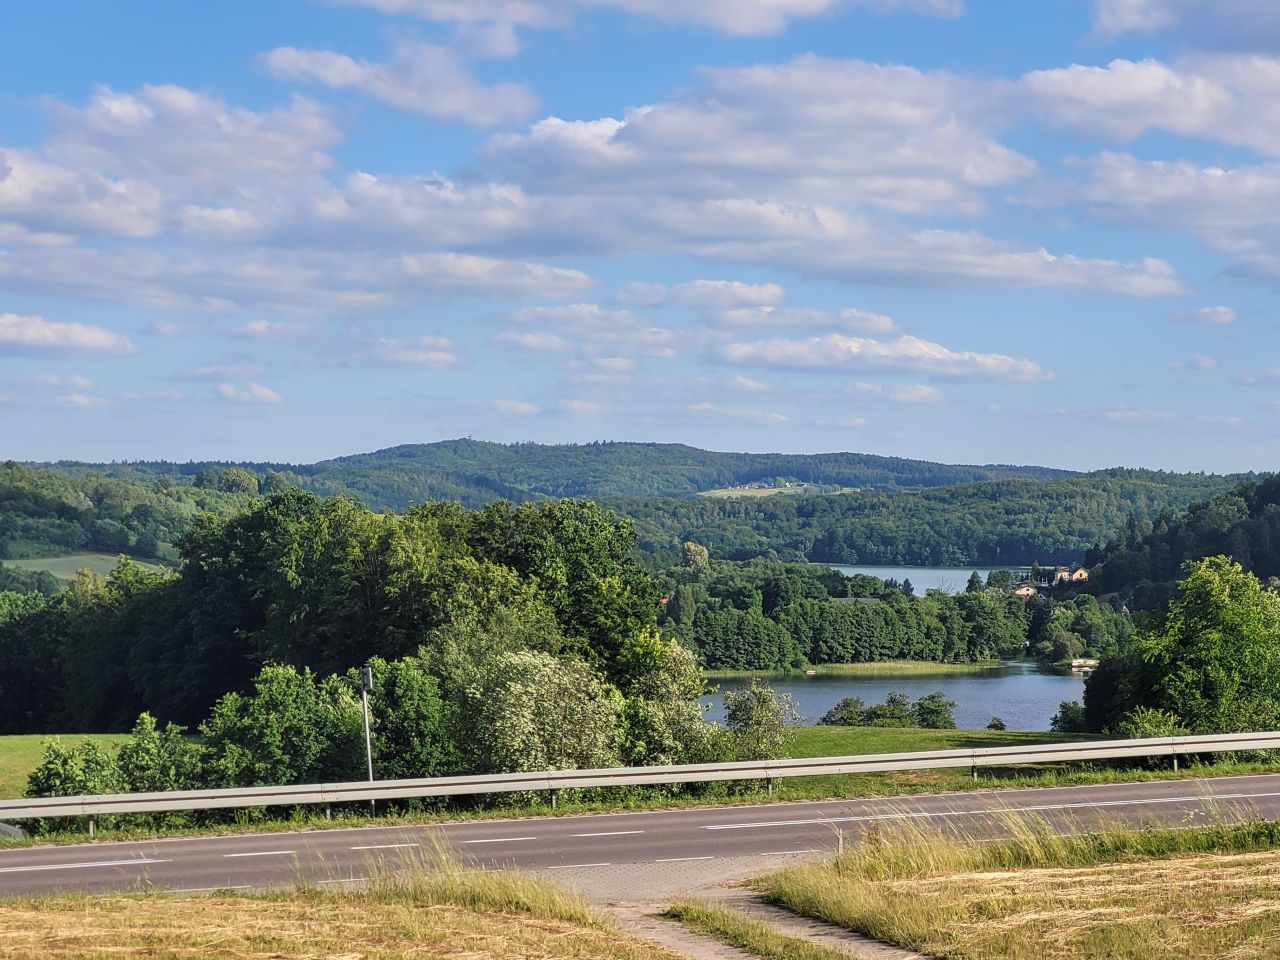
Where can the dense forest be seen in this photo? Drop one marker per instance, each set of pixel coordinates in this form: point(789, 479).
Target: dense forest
point(1208, 663)
point(510, 638)
point(991, 523)
point(474, 472)
point(45, 512)
point(1008, 522)
point(1145, 557)
point(766, 615)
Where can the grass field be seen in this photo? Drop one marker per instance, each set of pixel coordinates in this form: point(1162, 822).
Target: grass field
point(64, 568)
point(19, 755)
point(1116, 894)
point(799, 489)
point(876, 668)
point(429, 913)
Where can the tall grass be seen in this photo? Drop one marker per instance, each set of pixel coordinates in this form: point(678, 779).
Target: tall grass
point(1034, 892)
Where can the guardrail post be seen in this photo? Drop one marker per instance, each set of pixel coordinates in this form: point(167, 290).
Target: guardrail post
point(552, 791)
point(93, 822)
point(768, 785)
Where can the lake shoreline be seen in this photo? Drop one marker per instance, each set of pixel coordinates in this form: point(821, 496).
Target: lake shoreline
point(868, 668)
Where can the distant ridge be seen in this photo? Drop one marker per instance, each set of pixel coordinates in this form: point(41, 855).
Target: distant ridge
point(476, 472)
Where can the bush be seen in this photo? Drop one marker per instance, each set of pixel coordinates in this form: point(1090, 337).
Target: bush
point(996, 724)
point(1070, 718)
point(935, 712)
point(849, 712)
point(760, 721)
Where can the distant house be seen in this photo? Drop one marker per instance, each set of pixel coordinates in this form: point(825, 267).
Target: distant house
point(1067, 575)
point(1025, 591)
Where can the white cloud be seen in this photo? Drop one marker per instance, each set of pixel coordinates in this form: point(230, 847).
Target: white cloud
point(860, 321)
point(1249, 24)
point(42, 197)
point(704, 294)
point(419, 78)
point(581, 407)
point(36, 335)
point(910, 393)
point(50, 392)
point(746, 384)
point(808, 130)
point(249, 393)
point(418, 352)
point(589, 330)
point(1228, 98)
point(1207, 316)
point(733, 17)
point(845, 423)
point(172, 135)
point(1262, 377)
point(536, 341)
point(298, 281)
point(1121, 413)
point(221, 372)
point(1201, 361)
point(736, 413)
point(516, 407)
point(838, 352)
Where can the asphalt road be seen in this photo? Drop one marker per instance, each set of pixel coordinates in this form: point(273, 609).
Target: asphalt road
point(606, 840)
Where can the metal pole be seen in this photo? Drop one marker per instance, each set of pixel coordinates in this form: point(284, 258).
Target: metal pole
point(366, 684)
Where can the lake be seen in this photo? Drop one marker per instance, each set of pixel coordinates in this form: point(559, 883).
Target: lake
point(1017, 692)
point(950, 579)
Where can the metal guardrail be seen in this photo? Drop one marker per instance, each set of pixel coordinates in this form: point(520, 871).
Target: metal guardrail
point(552, 780)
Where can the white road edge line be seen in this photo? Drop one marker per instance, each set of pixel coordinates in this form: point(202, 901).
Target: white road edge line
point(575, 866)
point(347, 880)
point(787, 853)
point(989, 811)
point(610, 833)
point(681, 859)
point(501, 840)
point(81, 866)
point(387, 846)
point(261, 853)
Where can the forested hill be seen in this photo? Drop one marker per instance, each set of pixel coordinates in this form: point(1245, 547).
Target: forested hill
point(474, 472)
point(1145, 558)
point(1007, 522)
point(46, 512)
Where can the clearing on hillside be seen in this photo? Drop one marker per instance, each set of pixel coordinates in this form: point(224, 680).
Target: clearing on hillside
point(64, 568)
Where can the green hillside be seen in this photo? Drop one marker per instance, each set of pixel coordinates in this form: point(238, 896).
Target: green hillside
point(1005, 522)
point(474, 473)
point(1144, 559)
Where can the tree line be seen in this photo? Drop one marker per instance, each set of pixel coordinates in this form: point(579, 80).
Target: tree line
point(768, 615)
point(1013, 522)
point(1144, 558)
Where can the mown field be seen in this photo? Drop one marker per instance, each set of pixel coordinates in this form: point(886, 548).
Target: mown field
point(433, 912)
point(1116, 894)
point(66, 567)
point(803, 489)
point(19, 755)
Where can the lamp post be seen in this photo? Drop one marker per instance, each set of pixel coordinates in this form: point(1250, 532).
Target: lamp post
point(366, 687)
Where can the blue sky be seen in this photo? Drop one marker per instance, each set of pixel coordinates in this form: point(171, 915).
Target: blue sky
point(949, 229)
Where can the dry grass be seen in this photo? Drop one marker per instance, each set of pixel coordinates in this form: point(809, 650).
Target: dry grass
point(1116, 894)
point(444, 913)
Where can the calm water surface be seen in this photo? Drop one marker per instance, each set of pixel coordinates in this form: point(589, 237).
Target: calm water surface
point(950, 579)
point(1017, 692)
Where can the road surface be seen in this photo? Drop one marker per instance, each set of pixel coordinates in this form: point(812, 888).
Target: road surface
point(602, 845)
